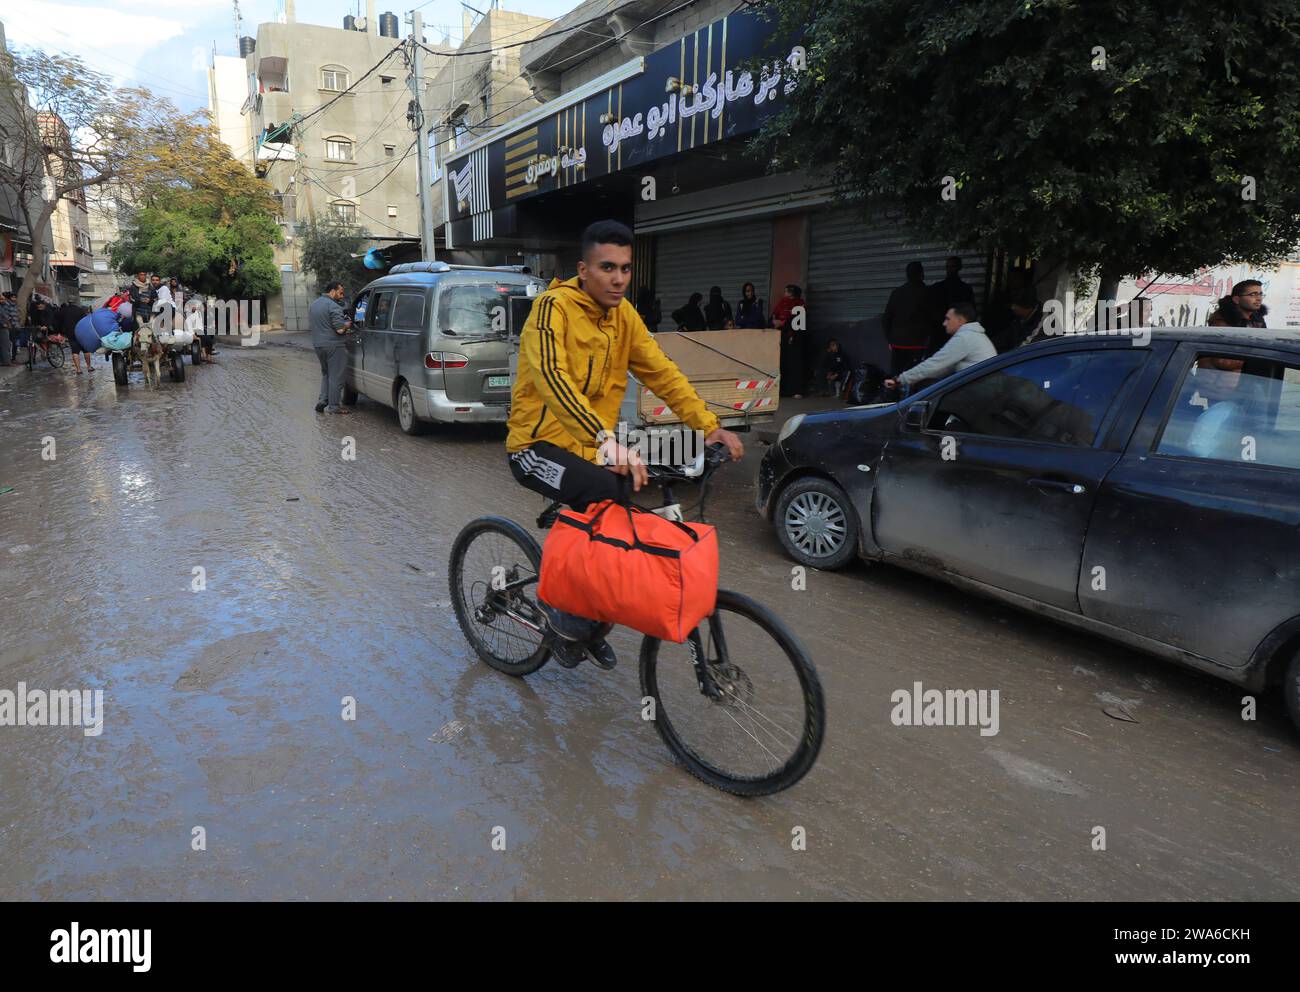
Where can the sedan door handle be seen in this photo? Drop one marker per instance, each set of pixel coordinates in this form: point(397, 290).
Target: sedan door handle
point(1073, 488)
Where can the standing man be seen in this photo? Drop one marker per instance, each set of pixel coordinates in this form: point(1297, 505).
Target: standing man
point(948, 291)
point(142, 296)
point(328, 324)
point(8, 327)
point(908, 319)
point(1244, 307)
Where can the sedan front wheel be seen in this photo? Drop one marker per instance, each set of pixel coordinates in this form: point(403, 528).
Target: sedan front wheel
point(816, 523)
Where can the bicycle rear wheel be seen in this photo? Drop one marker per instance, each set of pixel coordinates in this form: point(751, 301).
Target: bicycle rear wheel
point(493, 578)
point(761, 728)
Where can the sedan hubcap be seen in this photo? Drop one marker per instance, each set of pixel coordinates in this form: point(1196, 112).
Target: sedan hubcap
point(815, 524)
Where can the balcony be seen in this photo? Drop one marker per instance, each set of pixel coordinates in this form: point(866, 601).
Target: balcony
point(273, 74)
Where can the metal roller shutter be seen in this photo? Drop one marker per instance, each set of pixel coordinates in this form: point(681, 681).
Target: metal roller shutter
point(723, 255)
point(852, 266)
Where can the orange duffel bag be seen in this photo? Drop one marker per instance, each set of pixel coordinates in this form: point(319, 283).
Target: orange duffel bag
point(625, 565)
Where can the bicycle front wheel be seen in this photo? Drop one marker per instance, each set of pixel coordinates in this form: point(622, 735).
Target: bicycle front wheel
point(54, 355)
point(758, 726)
point(493, 578)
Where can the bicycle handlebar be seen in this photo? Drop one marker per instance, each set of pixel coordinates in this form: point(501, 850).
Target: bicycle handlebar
point(710, 460)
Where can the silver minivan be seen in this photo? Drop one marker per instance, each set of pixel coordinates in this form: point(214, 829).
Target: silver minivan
point(436, 341)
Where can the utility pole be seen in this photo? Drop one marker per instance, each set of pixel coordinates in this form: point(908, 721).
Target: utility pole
point(416, 117)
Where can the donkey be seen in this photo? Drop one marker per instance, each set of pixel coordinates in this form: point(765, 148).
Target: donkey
point(146, 348)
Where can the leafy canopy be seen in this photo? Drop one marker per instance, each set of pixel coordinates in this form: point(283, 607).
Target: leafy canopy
point(1118, 135)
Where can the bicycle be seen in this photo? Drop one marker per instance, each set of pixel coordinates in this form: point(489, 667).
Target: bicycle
point(50, 345)
point(706, 688)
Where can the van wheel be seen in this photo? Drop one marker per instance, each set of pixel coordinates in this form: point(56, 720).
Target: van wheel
point(1291, 689)
point(816, 523)
point(406, 418)
point(349, 395)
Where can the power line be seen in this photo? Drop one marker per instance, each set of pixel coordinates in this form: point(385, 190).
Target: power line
point(562, 31)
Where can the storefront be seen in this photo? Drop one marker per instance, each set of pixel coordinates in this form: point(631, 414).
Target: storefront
point(659, 143)
point(616, 141)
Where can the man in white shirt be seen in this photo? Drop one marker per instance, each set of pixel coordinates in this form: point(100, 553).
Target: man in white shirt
point(967, 345)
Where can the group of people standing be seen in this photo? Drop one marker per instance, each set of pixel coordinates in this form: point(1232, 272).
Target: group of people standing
point(698, 315)
point(716, 314)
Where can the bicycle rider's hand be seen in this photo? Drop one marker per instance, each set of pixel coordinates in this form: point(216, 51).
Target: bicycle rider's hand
point(735, 447)
point(621, 461)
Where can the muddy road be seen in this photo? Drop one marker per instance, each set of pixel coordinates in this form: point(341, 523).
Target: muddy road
point(324, 578)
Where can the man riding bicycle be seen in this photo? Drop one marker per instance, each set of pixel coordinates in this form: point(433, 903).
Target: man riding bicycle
point(575, 350)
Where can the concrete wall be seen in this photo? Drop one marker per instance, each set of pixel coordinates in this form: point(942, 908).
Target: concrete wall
point(661, 32)
point(227, 91)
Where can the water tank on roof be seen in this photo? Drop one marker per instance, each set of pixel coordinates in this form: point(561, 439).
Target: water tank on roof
point(349, 23)
point(247, 46)
point(388, 24)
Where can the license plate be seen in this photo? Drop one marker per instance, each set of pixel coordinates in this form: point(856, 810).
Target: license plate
point(498, 381)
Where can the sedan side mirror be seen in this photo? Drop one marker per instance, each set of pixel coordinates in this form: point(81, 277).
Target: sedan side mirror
point(916, 416)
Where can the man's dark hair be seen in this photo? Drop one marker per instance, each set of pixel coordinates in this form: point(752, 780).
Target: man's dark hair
point(915, 272)
point(331, 286)
point(1027, 299)
point(1244, 285)
point(953, 258)
point(605, 232)
point(794, 291)
point(966, 311)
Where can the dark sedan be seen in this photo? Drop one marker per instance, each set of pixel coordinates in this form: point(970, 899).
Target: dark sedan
point(1145, 488)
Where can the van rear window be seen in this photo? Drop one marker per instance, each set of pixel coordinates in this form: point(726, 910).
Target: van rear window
point(476, 309)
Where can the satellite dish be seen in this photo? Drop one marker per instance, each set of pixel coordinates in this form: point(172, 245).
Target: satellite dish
point(361, 24)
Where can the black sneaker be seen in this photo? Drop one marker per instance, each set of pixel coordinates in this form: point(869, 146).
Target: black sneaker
point(320, 407)
point(567, 625)
point(568, 653)
point(601, 654)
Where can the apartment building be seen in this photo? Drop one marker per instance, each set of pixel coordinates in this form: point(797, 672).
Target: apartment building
point(326, 112)
point(71, 257)
point(17, 119)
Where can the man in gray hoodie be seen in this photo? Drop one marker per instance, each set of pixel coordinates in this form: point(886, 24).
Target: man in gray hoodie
point(967, 345)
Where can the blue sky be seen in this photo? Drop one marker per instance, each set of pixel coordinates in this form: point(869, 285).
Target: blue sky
point(165, 45)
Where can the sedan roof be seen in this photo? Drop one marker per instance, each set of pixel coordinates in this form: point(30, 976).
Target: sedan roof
point(1257, 337)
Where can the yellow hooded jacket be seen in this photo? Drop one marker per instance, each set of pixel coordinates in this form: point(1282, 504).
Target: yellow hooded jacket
point(573, 365)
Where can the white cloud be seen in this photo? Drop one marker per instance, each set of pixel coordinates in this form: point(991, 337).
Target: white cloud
point(74, 29)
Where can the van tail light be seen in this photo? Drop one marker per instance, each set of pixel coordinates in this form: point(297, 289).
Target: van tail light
point(444, 360)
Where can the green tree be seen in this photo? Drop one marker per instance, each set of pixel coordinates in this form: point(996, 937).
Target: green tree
point(204, 219)
point(328, 248)
point(68, 131)
point(1114, 137)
